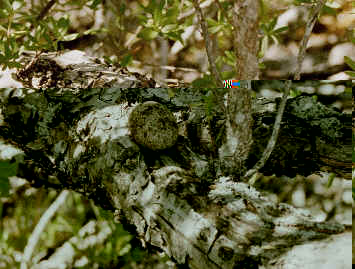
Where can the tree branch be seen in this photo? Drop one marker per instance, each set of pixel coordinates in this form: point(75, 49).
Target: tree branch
point(309, 27)
point(246, 39)
point(209, 46)
point(82, 137)
point(272, 142)
point(301, 54)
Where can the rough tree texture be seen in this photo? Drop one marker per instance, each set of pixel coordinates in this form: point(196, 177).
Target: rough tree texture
point(79, 139)
point(234, 152)
point(246, 36)
point(153, 126)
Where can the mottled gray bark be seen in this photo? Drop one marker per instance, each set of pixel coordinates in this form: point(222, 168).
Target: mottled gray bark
point(80, 139)
point(246, 38)
point(239, 121)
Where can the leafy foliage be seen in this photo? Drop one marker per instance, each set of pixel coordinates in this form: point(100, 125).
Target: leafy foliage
point(159, 19)
point(28, 28)
point(24, 27)
point(269, 31)
point(351, 64)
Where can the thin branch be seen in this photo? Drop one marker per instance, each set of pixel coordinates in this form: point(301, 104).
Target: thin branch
point(209, 45)
point(190, 12)
point(309, 27)
point(300, 57)
point(34, 238)
point(275, 133)
point(45, 10)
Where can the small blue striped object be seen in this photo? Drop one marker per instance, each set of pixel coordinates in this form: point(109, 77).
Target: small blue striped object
point(231, 83)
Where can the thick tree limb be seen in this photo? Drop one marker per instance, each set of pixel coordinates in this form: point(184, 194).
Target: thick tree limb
point(81, 139)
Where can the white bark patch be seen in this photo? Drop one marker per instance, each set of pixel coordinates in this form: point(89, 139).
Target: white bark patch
point(78, 150)
point(107, 123)
point(332, 253)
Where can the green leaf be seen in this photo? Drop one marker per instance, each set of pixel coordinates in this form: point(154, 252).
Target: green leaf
point(70, 37)
point(212, 22)
point(126, 60)
point(169, 28)
point(263, 27)
point(148, 34)
point(352, 37)
point(230, 55)
point(330, 179)
point(264, 45)
point(228, 74)
point(350, 73)
point(298, 2)
point(172, 14)
point(205, 82)
point(280, 30)
point(275, 39)
point(349, 62)
point(175, 36)
point(122, 8)
point(94, 31)
point(95, 3)
point(8, 5)
point(230, 58)
point(63, 22)
point(328, 10)
point(3, 29)
point(157, 16)
point(295, 93)
point(143, 19)
point(272, 24)
point(157, 13)
point(215, 29)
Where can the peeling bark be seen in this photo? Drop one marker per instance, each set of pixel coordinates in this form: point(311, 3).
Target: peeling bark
point(81, 138)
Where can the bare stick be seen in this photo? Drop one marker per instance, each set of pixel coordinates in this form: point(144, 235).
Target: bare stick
point(208, 44)
point(46, 9)
point(34, 238)
point(275, 133)
point(309, 27)
point(272, 142)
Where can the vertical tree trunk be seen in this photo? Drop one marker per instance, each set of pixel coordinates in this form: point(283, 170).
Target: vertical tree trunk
point(246, 25)
point(235, 150)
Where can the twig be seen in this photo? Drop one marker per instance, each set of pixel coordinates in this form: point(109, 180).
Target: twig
point(272, 142)
point(309, 27)
point(300, 57)
point(208, 44)
point(190, 12)
point(45, 10)
point(32, 241)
